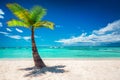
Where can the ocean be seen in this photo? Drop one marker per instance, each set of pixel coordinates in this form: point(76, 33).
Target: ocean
point(62, 52)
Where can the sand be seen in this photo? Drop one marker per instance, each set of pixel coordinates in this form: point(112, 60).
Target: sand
point(61, 69)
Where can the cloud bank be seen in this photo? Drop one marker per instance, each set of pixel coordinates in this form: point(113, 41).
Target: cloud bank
point(110, 33)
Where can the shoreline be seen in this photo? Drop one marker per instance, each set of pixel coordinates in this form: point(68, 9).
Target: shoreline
point(62, 58)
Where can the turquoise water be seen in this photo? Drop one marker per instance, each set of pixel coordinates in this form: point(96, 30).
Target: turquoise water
point(65, 52)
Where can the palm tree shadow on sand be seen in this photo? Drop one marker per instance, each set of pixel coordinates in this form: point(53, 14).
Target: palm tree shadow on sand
point(37, 72)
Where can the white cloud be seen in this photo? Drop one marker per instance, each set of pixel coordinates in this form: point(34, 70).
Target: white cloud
point(10, 36)
point(110, 33)
point(18, 30)
point(14, 36)
point(1, 24)
point(114, 26)
point(8, 29)
point(1, 12)
point(27, 38)
point(4, 33)
point(1, 17)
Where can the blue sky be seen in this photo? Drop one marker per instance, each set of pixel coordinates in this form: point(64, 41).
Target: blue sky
point(77, 22)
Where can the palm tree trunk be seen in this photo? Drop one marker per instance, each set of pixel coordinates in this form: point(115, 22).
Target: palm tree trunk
point(37, 59)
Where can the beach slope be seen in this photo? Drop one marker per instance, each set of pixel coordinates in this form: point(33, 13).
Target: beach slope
point(61, 69)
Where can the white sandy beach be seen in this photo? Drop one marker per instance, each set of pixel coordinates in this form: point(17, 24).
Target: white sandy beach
point(61, 69)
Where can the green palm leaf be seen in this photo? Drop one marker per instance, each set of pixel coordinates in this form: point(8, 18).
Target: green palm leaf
point(37, 13)
point(46, 24)
point(28, 19)
point(20, 12)
point(14, 22)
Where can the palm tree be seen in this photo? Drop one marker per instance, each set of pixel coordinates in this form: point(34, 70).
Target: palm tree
point(31, 19)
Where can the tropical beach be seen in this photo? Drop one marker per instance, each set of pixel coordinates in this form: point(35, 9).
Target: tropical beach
point(59, 40)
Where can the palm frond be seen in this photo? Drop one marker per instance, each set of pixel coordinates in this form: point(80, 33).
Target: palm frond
point(37, 13)
point(14, 22)
point(46, 24)
point(19, 12)
point(28, 18)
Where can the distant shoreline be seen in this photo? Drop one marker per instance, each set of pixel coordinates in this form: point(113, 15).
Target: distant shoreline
point(62, 58)
point(54, 46)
